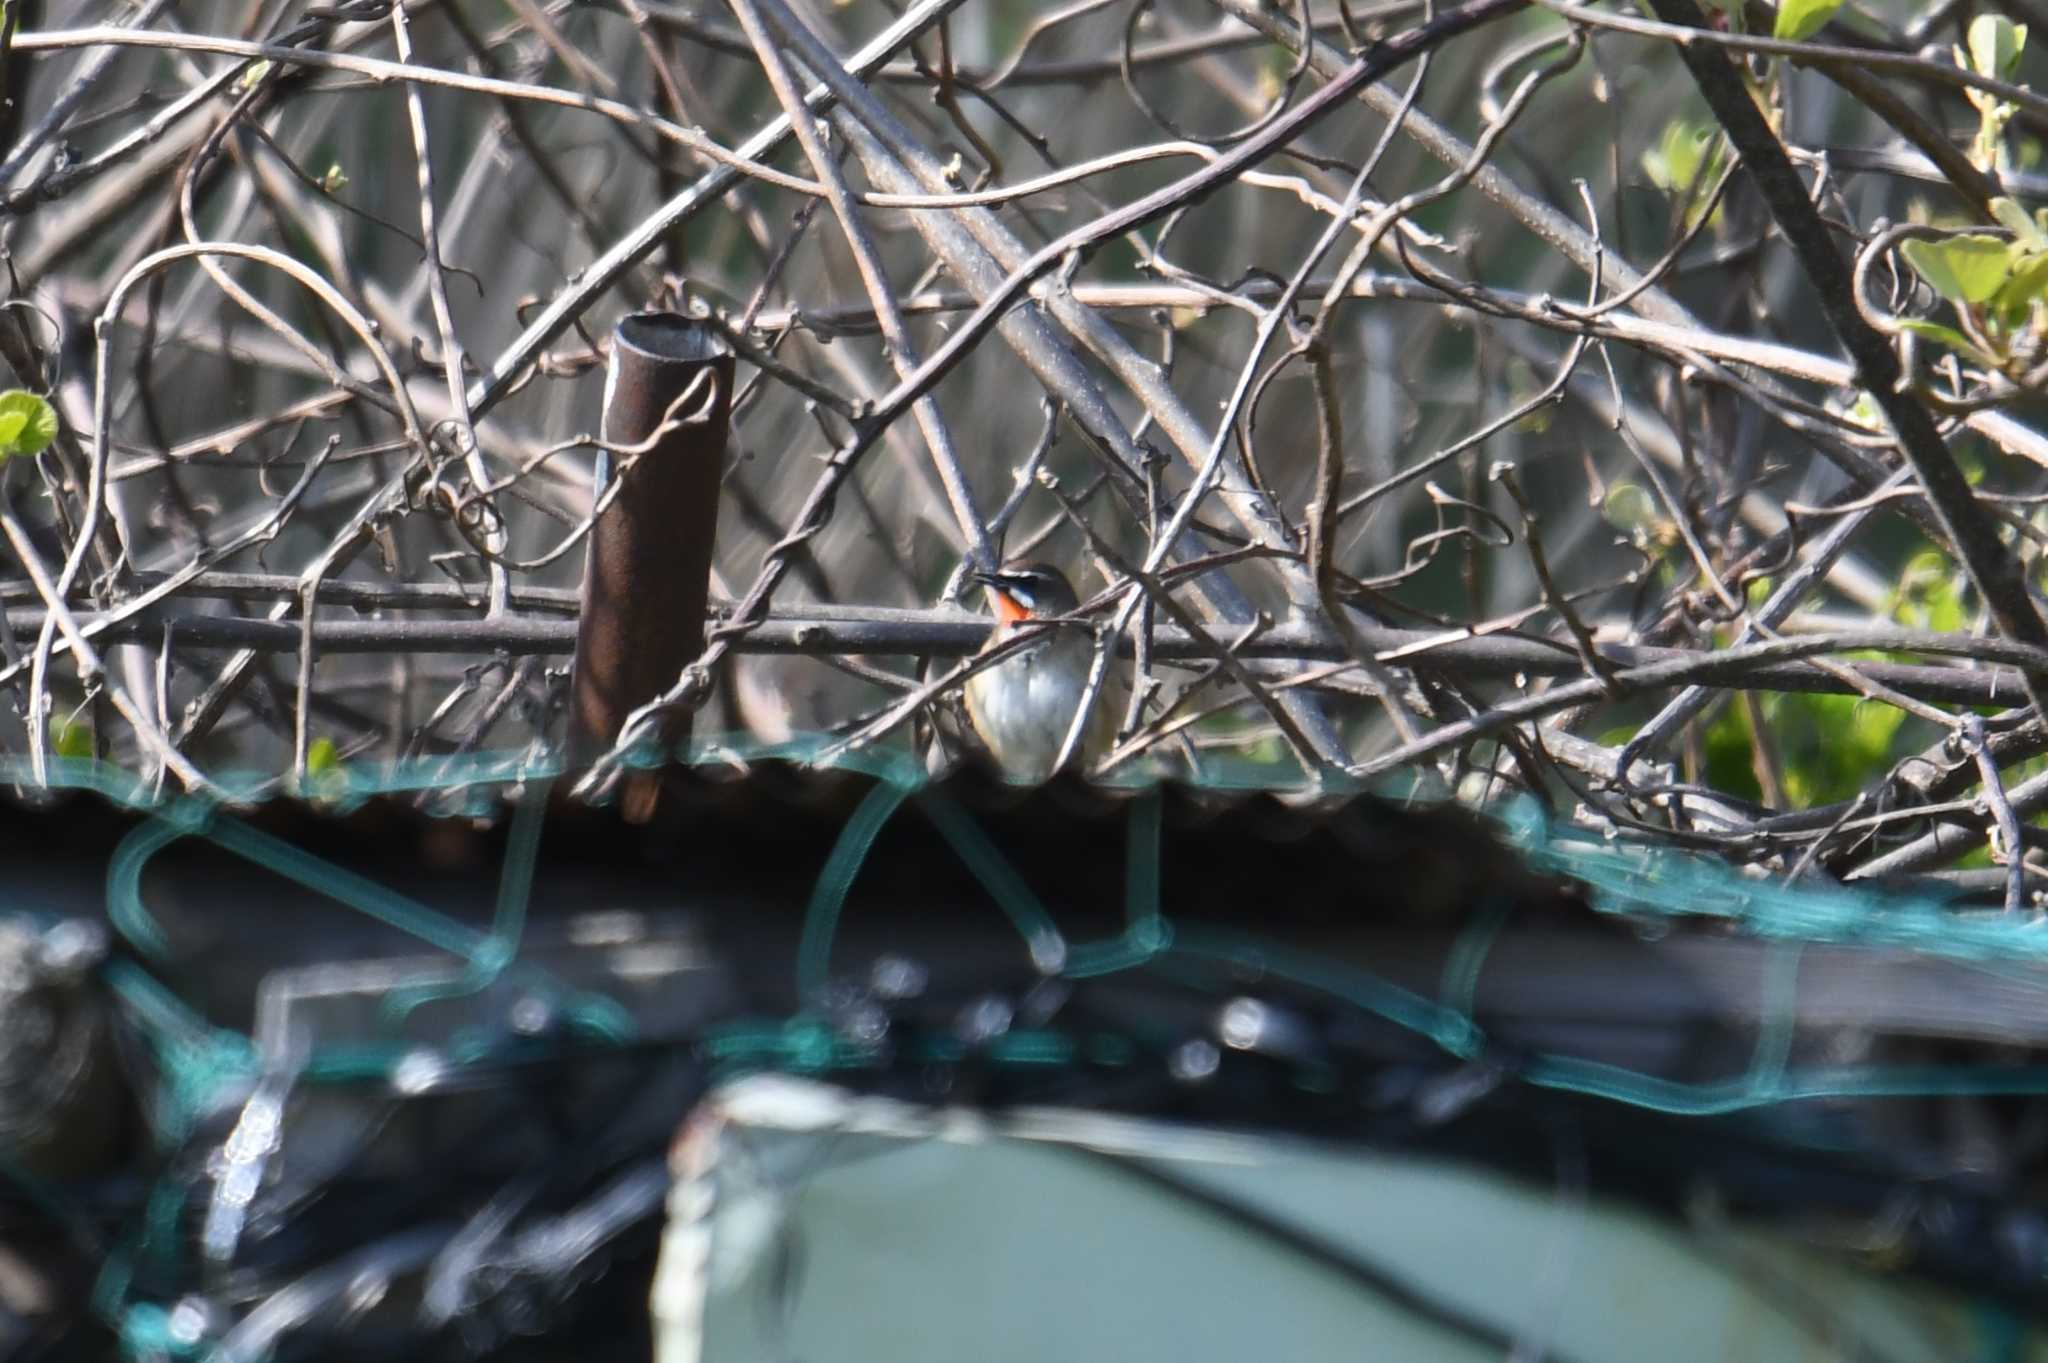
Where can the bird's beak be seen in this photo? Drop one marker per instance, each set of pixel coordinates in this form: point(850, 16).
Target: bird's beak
point(1008, 608)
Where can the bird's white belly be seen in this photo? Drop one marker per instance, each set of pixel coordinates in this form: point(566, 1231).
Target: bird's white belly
point(1023, 706)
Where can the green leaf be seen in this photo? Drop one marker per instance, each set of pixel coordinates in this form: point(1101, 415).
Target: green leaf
point(1628, 507)
point(1948, 336)
point(1961, 269)
point(2025, 286)
point(68, 738)
point(327, 775)
point(1930, 594)
point(1828, 747)
point(322, 756)
point(1799, 20)
point(1686, 155)
point(1831, 745)
point(27, 424)
point(1619, 735)
point(1995, 46)
point(2024, 229)
point(1674, 163)
point(1730, 752)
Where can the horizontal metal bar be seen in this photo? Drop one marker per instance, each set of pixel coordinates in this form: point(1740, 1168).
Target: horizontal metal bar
point(819, 630)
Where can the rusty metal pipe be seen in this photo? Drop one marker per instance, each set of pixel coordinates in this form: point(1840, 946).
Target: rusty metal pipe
point(647, 572)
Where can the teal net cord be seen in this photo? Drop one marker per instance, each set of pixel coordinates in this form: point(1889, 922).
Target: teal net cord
point(200, 1062)
point(1621, 878)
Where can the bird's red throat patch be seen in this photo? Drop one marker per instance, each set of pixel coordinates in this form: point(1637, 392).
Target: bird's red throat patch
point(1009, 609)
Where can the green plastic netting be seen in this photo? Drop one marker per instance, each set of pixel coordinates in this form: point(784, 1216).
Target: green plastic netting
point(200, 1062)
point(1624, 878)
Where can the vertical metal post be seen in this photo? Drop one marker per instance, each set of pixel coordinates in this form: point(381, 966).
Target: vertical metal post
point(647, 573)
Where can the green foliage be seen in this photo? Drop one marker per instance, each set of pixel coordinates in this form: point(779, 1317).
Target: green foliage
point(1618, 736)
point(1961, 269)
point(1833, 745)
point(322, 756)
point(1828, 747)
point(2024, 286)
point(1523, 384)
point(2028, 232)
point(1628, 508)
point(1930, 594)
point(1633, 511)
point(1730, 750)
point(1948, 336)
point(326, 774)
point(1686, 161)
point(1866, 412)
point(1250, 737)
point(1799, 20)
point(1971, 462)
point(1994, 45)
point(27, 424)
point(1998, 288)
point(69, 738)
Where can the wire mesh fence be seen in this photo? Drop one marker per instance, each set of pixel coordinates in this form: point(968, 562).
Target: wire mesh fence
point(441, 1118)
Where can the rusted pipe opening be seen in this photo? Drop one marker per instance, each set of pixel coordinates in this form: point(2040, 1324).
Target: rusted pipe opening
point(669, 337)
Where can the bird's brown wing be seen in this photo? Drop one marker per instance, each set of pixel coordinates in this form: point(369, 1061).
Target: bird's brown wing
point(1107, 716)
point(941, 729)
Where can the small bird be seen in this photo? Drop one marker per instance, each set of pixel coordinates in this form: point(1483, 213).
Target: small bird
point(1022, 707)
